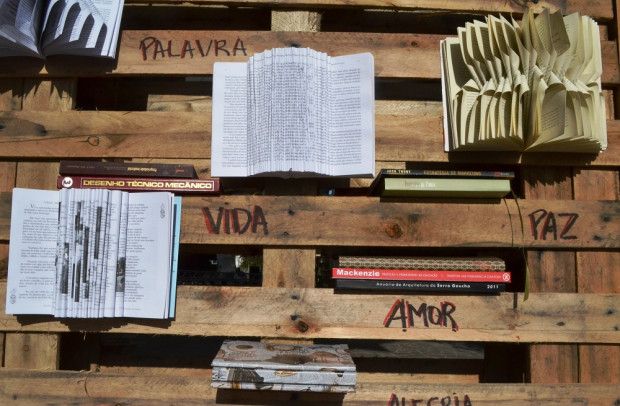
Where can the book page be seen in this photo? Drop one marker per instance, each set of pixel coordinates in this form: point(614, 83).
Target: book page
point(229, 142)
point(32, 252)
point(351, 115)
point(122, 260)
point(113, 241)
point(148, 254)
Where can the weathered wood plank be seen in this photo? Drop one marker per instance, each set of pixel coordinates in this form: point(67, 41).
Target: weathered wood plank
point(82, 388)
point(291, 268)
point(167, 53)
point(114, 134)
point(597, 272)
point(319, 313)
point(599, 9)
point(366, 221)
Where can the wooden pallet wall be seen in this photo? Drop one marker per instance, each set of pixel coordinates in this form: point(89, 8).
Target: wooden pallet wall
point(560, 346)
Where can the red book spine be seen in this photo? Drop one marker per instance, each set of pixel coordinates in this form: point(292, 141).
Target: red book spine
point(420, 275)
point(181, 186)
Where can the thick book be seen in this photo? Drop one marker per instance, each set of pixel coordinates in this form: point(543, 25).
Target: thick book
point(256, 365)
point(294, 112)
point(174, 185)
point(38, 28)
point(420, 275)
point(488, 264)
point(377, 184)
point(420, 286)
point(533, 85)
point(127, 169)
point(445, 187)
point(92, 253)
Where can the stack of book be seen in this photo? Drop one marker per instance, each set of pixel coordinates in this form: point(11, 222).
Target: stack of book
point(283, 367)
point(440, 183)
point(133, 177)
point(454, 275)
point(79, 253)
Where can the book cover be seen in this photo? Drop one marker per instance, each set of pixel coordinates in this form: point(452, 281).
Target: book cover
point(283, 376)
point(127, 169)
point(181, 186)
point(377, 184)
point(293, 357)
point(446, 187)
point(430, 263)
point(420, 286)
point(420, 275)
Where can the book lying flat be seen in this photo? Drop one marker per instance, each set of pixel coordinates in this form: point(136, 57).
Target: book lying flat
point(38, 28)
point(181, 186)
point(256, 365)
point(93, 253)
point(420, 286)
point(420, 275)
point(294, 112)
point(445, 187)
point(128, 169)
point(487, 264)
point(534, 85)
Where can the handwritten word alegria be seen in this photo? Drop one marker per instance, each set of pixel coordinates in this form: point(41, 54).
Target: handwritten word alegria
point(153, 48)
point(406, 312)
point(433, 401)
point(235, 221)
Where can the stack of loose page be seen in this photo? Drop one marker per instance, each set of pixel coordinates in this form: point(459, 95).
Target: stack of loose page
point(530, 86)
point(71, 27)
point(294, 110)
point(93, 253)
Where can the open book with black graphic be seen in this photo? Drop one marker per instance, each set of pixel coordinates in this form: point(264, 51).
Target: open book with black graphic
point(39, 28)
point(532, 86)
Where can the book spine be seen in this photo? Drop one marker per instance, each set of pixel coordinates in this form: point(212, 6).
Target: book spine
point(262, 375)
point(130, 169)
point(182, 186)
point(421, 286)
point(420, 275)
point(440, 173)
point(487, 264)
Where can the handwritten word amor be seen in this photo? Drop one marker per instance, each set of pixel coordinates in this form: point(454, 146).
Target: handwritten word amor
point(551, 223)
point(235, 220)
point(434, 401)
point(404, 311)
point(153, 48)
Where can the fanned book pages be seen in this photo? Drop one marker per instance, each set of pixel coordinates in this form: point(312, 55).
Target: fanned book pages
point(39, 28)
point(291, 111)
point(533, 85)
point(93, 253)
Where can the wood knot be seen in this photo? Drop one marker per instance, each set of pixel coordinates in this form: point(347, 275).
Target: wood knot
point(302, 326)
point(393, 230)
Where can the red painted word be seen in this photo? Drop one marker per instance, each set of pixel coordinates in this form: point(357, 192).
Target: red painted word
point(434, 401)
point(153, 48)
point(549, 224)
point(404, 311)
point(235, 220)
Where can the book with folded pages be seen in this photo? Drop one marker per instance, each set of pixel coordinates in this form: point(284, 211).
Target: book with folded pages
point(38, 28)
point(528, 86)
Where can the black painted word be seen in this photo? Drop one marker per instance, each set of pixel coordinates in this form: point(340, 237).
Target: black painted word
point(550, 222)
point(404, 311)
point(434, 401)
point(154, 48)
point(235, 220)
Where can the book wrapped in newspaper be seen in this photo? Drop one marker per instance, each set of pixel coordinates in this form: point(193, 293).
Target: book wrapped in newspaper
point(287, 367)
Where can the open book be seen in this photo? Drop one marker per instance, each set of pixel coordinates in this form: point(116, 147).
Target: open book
point(92, 253)
point(292, 110)
point(529, 86)
point(70, 27)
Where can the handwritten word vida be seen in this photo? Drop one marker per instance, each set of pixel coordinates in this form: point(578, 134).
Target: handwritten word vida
point(434, 401)
point(552, 223)
point(153, 48)
point(236, 220)
point(404, 311)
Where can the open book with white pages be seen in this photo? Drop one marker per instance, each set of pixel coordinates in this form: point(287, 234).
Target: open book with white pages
point(534, 85)
point(93, 253)
point(39, 28)
point(294, 111)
